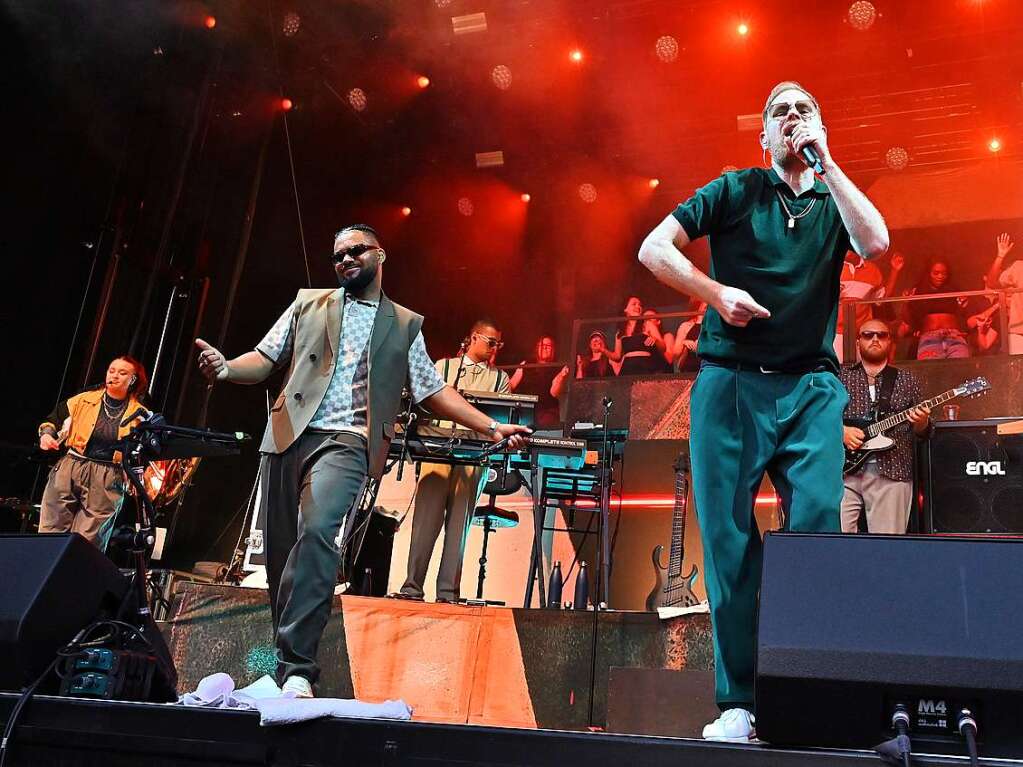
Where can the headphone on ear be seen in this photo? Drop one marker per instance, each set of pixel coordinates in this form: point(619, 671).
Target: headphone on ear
point(132, 381)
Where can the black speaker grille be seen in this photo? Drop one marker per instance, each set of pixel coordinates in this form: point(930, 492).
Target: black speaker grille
point(958, 509)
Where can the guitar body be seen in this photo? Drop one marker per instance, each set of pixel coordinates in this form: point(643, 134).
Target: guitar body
point(654, 597)
point(670, 591)
point(854, 459)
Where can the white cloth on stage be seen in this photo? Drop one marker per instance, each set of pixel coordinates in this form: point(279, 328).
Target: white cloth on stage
point(276, 707)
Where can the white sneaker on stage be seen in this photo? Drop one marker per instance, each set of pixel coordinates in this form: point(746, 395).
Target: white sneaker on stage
point(735, 725)
point(298, 685)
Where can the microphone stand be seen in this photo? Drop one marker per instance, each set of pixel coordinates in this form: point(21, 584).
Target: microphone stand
point(602, 554)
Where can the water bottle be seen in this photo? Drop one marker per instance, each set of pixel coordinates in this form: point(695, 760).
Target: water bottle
point(555, 587)
point(582, 588)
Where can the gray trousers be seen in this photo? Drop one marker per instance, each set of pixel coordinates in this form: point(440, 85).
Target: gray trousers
point(83, 497)
point(885, 501)
point(306, 490)
point(446, 496)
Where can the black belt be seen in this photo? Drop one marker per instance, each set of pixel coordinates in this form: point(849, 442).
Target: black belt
point(751, 367)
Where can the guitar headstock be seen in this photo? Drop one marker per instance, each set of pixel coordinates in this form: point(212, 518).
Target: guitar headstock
point(682, 463)
point(973, 388)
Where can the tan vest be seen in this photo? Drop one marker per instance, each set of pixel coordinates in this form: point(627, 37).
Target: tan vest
point(316, 331)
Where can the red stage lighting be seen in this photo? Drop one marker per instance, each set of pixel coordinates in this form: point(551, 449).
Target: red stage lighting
point(654, 183)
point(406, 211)
point(576, 56)
point(743, 29)
point(994, 145)
point(211, 21)
point(423, 81)
point(287, 104)
point(525, 197)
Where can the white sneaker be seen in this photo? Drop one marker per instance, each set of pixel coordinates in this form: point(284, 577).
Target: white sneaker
point(299, 686)
point(735, 725)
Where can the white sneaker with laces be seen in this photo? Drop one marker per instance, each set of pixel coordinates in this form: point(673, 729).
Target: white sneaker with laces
point(735, 725)
point(299, 686)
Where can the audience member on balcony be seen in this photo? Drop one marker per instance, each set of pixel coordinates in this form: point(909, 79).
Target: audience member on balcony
point(597, 364)
point(1012, 277)
point(543, 382)
point(684, 355)
point(664, 341)
point(982, 321)
point(940, 322)
point(636, 351)
point(862, 281)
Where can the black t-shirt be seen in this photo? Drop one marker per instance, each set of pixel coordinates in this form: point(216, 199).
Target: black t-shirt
point(100, 446)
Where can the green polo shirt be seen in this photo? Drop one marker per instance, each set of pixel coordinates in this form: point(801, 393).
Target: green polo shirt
point(794, 273)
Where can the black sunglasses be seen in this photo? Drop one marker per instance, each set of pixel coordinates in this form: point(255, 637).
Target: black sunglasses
point(353, 252)
point(882, 335)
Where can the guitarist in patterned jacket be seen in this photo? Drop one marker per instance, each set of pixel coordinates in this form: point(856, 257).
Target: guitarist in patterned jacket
point(883, 487)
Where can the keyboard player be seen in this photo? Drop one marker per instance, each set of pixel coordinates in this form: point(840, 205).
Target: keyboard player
point(447, 495)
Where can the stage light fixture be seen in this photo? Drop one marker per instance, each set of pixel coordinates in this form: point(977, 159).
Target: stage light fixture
point(442, 3)
point(743, 29)
point(588, 193)
point(862, 15)
point(896, 158)
point(654, 183)
point(291, 22)
point(501, 76)
point(525, 197)
point(287, 104)
point(576, 56)
point(666, 48)
point(211, 21)
point(465, 206)
point(994, 145)
point(357, 99)
point(423, 81)
point(406, 211)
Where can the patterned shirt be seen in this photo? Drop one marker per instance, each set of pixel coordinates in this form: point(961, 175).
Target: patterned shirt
point(467, 376)
point(344, 404)
point(896, 463)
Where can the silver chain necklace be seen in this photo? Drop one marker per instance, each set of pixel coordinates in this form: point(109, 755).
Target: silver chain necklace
point(113, 413)
point(794, 217)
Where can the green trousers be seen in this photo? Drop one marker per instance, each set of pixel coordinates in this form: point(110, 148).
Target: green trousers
point(743, 424)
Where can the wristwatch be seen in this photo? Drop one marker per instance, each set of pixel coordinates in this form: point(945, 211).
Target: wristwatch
point(493, 427)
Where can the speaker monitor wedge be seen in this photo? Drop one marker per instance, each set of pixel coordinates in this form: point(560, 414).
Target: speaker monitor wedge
point(53, 586)
point(851, 625)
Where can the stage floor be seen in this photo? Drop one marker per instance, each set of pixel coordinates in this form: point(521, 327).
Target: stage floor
point(65, 731)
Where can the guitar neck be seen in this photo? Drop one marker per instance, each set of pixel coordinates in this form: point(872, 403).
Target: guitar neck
point(879, 427)
point(678, 524)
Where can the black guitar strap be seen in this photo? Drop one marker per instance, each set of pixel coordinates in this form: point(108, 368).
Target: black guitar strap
point(884, 394)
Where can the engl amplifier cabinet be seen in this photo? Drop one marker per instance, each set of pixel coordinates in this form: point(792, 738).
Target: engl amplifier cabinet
point(971, 479)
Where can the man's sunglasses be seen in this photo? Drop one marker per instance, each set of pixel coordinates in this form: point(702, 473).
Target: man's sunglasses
point(353, 252)
point(881, 335)
point(493, 343)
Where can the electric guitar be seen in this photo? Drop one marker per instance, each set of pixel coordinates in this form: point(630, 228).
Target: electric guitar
point(671, 588)
point(875, 440)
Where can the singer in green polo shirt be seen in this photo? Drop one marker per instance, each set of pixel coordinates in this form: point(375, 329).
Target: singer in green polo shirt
point(767, 398)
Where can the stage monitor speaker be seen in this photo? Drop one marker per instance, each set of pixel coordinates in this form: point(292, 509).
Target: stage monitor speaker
point(53, 586)
point(852, 625)
point(972, 479)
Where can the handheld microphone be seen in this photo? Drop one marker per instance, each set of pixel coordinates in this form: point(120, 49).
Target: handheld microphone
point(811, 158)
